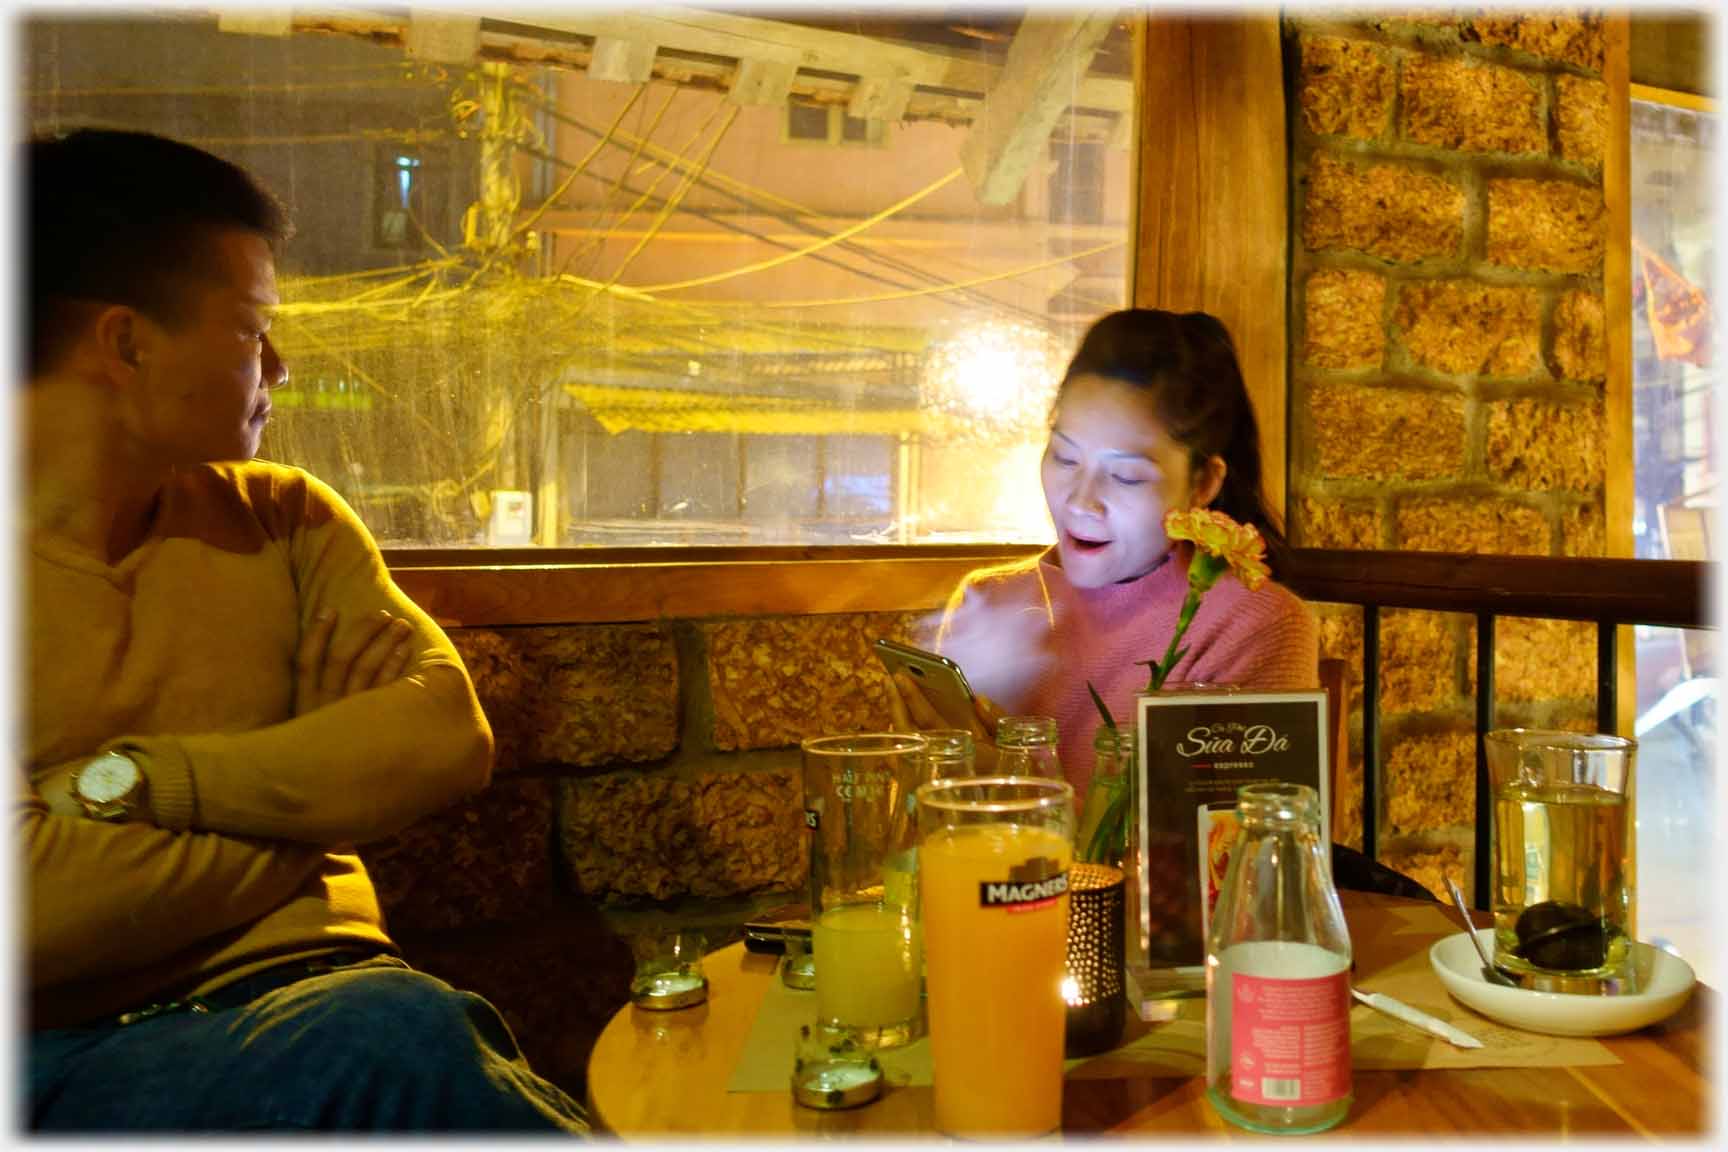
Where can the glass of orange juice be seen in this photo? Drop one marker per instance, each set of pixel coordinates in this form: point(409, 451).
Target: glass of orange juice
point(865, 932)
point(993, 857)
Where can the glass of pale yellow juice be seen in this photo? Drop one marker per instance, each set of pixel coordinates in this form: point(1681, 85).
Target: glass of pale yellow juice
point(865, 933)
point(994, 854)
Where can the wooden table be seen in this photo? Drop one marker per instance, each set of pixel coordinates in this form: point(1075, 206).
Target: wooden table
point(657, 1074)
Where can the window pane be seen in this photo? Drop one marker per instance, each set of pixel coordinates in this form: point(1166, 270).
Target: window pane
point(1673, 254)
point(699, 477)
point(779, 478)
point(858, 480)
point(736, 302)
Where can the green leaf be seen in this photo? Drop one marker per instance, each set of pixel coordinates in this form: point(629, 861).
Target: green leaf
point(1103, 709)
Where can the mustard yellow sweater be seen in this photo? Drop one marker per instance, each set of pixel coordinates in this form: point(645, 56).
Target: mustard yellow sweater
point(184, 654)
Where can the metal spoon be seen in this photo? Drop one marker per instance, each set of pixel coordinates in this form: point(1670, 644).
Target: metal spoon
point(1489, 973)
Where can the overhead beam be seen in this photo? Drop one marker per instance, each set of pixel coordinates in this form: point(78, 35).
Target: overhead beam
point(748, 37)
point(622, 61)
point(443, 38)
point(762, 82)
point(256, 21)
point(881, 98)
point(1035, 87)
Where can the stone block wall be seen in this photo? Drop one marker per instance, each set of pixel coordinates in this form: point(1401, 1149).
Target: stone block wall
point(1448, 361)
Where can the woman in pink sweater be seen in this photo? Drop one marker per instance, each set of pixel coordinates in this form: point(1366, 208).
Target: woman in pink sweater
point(1151, 415)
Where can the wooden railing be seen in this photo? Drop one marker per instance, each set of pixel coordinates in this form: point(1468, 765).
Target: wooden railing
point(1609, 593)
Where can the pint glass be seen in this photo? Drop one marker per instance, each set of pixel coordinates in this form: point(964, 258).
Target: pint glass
point(1562, 901)
point(994, 854)
point(858, 805)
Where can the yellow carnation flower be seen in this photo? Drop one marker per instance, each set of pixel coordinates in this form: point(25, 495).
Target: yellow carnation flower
point(1215, 534)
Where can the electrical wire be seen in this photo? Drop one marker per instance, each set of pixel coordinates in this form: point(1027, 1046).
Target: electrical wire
point(974, 282)
point(676, 198)
point(826, 242)
point(754, 198)
point(617, 185)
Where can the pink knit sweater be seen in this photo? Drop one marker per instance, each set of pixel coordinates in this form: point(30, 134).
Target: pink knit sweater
point(1030, 641)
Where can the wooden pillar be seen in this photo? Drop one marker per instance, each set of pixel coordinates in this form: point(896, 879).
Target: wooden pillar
point(1211, 217)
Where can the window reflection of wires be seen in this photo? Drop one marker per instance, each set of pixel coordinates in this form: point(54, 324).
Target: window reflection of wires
point(793, 215)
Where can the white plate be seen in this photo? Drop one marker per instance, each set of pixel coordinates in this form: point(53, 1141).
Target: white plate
point(1663, 991)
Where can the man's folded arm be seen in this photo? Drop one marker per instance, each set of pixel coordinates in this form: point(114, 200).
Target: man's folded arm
point(353, 771)
point(113, 897)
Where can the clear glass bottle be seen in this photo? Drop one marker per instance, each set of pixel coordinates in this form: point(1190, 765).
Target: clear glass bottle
point(1026, 746)
point(1108, 812)
point(1278, 973)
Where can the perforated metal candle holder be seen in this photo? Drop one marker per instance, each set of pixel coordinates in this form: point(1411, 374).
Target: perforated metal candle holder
point(1093, 985)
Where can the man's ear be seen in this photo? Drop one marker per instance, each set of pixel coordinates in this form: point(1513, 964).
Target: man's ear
point(1209, 481)
point(119, 335)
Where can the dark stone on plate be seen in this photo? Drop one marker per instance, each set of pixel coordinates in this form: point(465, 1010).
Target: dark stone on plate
point(1562, 937)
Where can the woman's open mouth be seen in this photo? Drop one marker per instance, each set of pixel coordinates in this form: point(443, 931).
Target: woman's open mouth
point(1082, 546)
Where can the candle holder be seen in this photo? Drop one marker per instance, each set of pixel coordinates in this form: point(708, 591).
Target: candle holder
point(669, 971)
point(1093, 985)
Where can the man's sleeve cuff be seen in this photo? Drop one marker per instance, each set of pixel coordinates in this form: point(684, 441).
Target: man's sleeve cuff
point(172, 798)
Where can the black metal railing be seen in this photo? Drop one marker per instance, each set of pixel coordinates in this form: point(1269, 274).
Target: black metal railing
point(1608, 593)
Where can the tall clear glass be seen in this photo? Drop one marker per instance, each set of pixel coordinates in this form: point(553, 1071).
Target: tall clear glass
point(949, 753)
point(865, 936)
point(1026, 746)
point(995, 854)
point(1278, 972)
point(1562, 902)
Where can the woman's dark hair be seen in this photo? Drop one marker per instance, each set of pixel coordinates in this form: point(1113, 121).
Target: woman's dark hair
point(1185, 364)
point(119, 217)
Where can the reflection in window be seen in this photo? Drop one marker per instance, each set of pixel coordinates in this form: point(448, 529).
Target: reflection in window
point(658, 308)
point(1673, 253)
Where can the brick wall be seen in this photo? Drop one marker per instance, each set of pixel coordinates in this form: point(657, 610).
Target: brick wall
point(1448, 361)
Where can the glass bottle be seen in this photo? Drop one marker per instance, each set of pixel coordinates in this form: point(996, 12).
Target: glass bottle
point(1108, 812)
point(1278, 972)
point(1026, 746)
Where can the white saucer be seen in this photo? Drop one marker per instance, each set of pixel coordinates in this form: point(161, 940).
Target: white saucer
point(1666, 982)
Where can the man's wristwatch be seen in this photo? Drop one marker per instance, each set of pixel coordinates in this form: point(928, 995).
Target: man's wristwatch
point(109, 787)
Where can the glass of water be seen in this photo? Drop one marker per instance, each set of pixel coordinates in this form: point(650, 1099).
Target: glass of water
point(1562, 900)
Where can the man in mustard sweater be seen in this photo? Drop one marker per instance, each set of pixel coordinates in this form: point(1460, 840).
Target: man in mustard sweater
point(224, 693)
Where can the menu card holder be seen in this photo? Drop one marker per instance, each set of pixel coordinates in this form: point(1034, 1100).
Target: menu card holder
point(1194, 749)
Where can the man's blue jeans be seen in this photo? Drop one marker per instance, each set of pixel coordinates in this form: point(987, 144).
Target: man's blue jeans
point(374, 1046)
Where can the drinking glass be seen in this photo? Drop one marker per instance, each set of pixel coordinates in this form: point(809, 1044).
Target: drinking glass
point(858, 805)
point(668, 970)
point(1561, 822)
point(948, 753)
point(1026, 746)
point(994, 854)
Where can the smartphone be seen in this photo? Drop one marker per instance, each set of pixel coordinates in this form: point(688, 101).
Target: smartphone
point(940, 679)
point(768, 932)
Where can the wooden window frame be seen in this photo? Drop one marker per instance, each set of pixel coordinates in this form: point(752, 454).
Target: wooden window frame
point(1210, 230)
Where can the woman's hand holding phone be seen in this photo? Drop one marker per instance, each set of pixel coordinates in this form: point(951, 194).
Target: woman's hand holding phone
point(913, 712)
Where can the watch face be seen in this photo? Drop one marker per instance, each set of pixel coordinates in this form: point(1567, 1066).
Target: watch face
point(108, 777)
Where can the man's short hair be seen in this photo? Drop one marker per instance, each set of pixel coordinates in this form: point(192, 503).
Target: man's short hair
point(125, 218)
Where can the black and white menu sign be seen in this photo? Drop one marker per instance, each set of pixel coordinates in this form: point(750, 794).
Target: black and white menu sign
point(1195, 751)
